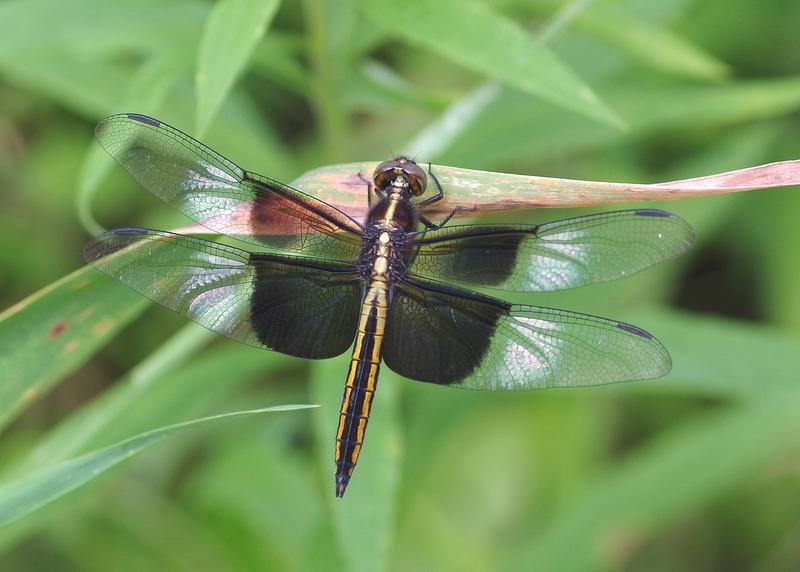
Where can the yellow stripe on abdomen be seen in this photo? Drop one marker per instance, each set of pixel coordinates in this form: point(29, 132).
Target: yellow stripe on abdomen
point(362, 378)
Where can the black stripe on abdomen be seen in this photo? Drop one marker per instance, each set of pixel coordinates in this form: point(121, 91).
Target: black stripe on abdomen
point(362, 378)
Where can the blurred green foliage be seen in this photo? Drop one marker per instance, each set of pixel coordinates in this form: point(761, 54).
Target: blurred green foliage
point(697, 471)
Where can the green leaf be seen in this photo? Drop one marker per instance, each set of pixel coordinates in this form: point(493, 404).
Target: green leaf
point(652, 45)
point(672, 476)
point(50, 334)
point(64, 78)
point(511, 129)
point(367, 510)
point(21, 497)
point(642, 37)
point(67, 64)
point(162, 389)
point(232, 31)
point(432, 140)
point(473, 35)
point(106, 413)
point(93, 28)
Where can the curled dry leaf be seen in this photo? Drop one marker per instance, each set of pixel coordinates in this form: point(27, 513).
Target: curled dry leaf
point(341, 186)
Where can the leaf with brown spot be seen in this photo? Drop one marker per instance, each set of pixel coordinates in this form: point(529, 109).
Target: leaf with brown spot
point(47, 336)
point(58, 329)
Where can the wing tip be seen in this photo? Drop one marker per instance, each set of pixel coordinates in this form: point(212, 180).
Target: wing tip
point(689, 236)
point(141, 118)
point(144, 119)
point(126, 230)
point(658, 213)
point(662, 362)
point(630, 328)
point(111, 242)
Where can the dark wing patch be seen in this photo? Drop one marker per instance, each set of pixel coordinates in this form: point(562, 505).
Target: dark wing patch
point(220, 195)
point(449, 336)
point(437, 335)
point(306, 311)
point(288, 304)
point(553, 256)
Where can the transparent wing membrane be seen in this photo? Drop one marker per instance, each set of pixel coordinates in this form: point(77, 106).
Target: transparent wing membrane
point(443, 335)
point(553, 256)
point(281, 303)
point(220, 195)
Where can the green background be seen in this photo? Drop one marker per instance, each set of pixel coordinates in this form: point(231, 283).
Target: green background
point(697, 471)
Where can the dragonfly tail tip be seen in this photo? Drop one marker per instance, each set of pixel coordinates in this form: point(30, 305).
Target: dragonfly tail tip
point(341, 485)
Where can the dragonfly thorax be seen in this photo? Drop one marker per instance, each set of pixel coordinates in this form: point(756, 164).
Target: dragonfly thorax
point(382, 254)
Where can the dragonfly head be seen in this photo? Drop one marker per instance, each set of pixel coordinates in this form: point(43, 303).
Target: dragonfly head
point(401, 171)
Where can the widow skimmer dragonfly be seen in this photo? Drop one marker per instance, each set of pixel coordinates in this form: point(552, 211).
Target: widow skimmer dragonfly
point(323, 282)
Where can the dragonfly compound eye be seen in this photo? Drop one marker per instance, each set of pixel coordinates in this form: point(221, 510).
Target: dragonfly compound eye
point(417, 179)
point(401, 166)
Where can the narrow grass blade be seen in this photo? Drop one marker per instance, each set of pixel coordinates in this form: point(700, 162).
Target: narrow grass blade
point(21, 497)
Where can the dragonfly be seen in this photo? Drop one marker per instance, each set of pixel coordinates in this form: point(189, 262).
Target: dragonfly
point(397, 287)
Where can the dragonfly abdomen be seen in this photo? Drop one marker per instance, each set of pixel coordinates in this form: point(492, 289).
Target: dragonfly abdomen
point(362, 378)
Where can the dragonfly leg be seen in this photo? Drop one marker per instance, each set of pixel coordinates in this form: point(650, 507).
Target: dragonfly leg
point(367, 182)
point(444, 221)
point(439, 193)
